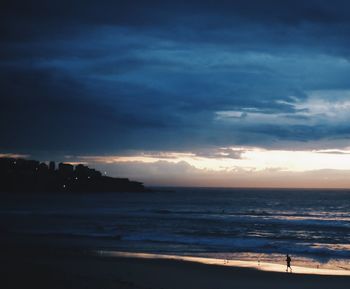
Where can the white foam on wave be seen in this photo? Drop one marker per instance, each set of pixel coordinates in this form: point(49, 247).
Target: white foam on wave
point(225, 242)
point(252, 244)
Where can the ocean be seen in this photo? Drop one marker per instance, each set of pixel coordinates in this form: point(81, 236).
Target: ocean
point(313, 226)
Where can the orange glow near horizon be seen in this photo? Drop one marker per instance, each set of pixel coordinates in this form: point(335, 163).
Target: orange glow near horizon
point(251, 167)
point(251, 159)
point(228, 167)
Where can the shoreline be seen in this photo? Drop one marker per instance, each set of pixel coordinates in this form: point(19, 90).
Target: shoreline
point(74, 268)
point(261, 266)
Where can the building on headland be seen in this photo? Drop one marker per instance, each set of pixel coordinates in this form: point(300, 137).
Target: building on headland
point(25, 165)
point(21, 175)
point(43, 168)
point(84, 171)
point(65, 169)
point(52, 166)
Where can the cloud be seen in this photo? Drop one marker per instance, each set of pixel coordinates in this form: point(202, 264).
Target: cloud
point(10, 155)
point(163, 173)
point(194, 77)
point(320, 115)
point(239, 158)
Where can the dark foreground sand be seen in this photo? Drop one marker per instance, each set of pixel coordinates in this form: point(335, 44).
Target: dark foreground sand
point(64, 269)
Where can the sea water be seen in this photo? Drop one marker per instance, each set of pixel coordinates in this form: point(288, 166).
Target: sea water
point(313, 226)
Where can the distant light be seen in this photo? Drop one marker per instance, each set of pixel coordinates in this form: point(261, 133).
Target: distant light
point(105, 173)
point(76, 178)
point(64, 186)
point(88, 177)
point(14, 162)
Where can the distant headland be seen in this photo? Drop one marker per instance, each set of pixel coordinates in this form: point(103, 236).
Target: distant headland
point(22, 176)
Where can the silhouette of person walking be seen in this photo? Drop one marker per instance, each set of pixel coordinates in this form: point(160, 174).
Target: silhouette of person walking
point(288, 260)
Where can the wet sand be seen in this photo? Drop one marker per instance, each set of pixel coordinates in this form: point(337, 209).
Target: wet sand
point(263, 266)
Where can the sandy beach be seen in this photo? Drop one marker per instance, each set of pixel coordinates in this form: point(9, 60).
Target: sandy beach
point(51, 268)
point(257, 265)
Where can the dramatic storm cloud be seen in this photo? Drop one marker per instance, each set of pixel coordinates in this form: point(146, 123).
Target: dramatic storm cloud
point(90, 78)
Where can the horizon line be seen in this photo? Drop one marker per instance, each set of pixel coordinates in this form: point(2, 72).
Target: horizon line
point(258, 188)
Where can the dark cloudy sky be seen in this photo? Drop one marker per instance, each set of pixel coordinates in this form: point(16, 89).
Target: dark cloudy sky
point(154, 89)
